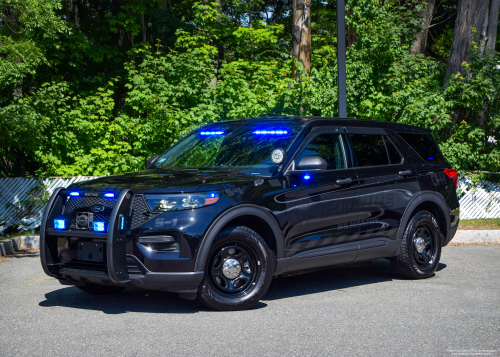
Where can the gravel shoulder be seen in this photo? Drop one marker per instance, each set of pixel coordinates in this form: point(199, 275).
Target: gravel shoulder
point(361, 311)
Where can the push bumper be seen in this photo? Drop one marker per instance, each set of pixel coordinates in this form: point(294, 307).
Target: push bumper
point(121, 269)
point(183, 283)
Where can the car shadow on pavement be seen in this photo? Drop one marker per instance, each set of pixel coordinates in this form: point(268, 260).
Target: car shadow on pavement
point(334, 278)
point(138, 300)
point(129, 300)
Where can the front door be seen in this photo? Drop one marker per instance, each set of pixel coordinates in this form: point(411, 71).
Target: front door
point(322, 206)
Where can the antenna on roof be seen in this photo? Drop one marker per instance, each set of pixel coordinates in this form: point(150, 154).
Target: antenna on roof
point(341, 70)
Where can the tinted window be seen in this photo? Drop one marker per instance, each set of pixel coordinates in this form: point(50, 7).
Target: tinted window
point(369, 150)
point(424, 145)
point(329, 147)
point(394, 156)
point(237, 147)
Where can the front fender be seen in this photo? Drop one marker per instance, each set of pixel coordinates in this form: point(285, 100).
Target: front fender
point(227, 216)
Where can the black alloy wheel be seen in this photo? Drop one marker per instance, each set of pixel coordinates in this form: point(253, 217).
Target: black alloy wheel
point(420, 247)
point(238, 271)
point(233, 269)
point(425, 247)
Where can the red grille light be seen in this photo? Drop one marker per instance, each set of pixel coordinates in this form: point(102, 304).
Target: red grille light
point(453, 174)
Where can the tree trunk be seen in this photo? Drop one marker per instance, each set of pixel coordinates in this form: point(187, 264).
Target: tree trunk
point(481, 15)
point(67, 10)
point(143, 26)
point(489, 30)
point(74, 10)
point(301, 33)
point(420, 43)
point(220, 51)
point(352, 37)
point(20, 165)
point(250, 13)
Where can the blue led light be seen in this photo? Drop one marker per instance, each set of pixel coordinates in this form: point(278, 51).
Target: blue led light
point(271, 132)
point(109, 194)
point(307, 177)
point(212, 195)
point(122, 223)
point(212, 133)
point(59, 224)
point(74, 193)
point(99, 227)
point(431, 158)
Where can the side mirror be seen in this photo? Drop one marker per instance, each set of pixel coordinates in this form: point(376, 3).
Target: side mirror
point(312, 163)
point(151, 160)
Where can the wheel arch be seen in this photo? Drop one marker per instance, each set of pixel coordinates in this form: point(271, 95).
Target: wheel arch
point(432, 202)
point(251, 216)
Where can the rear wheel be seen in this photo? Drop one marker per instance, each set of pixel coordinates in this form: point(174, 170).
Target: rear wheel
point(420, 247)
point(96, 289)
point(238, 272)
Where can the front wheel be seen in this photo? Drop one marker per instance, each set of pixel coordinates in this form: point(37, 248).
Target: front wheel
point(238, 272)
point(420, 247)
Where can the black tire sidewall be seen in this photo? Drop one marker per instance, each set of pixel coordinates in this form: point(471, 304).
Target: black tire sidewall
point(211, 297)
point(419, 218)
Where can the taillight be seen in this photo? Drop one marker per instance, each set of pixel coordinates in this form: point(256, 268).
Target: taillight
point(453, 174)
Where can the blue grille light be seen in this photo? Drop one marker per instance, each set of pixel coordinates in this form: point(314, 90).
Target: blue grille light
point(74, 194)
point(59, 224)
point(271, 132)
point(212, 133)
point(99, 227)
point(110, 195)
point(307, 177)
point(431, 158)
point(122, 223)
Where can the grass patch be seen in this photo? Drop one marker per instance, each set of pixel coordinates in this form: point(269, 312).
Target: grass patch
point(471, 224)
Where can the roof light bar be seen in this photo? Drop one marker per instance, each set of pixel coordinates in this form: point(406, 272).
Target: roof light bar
point(212, 133)
point(271, 132)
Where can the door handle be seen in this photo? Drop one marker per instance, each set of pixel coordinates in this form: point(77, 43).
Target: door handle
point(405, 172)
point(344, 181)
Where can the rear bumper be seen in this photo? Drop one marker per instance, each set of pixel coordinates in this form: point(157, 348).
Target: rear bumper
point(450, 232)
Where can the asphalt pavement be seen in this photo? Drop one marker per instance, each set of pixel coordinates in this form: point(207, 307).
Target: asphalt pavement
point(349, 311)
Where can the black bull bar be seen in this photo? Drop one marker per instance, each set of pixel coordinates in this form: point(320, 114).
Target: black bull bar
point(115, 237)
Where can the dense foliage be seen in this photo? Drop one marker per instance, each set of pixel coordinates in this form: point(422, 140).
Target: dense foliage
point(90, 87)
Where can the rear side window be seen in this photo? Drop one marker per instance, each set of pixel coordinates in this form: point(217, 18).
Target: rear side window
point(369, 150)
point(394, 155)
point(329, 147)
point(424, 145)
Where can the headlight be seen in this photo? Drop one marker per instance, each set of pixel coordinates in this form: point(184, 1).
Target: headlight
point(179, 202)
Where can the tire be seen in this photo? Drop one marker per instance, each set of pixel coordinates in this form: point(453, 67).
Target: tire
point(238, 271)
point(96, 289)
point(420, 247)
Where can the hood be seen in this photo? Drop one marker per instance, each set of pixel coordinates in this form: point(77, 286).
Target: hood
point(165, 181)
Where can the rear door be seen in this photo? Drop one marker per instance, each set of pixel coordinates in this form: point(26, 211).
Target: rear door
point(387, 181)
point(322, 207)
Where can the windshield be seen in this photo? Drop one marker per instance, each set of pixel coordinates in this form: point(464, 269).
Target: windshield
point(244, 148)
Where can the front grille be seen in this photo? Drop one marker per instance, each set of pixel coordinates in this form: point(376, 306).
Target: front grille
point(83, 204)
point(141, 213)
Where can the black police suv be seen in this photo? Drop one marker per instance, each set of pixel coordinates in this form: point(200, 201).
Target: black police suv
point(234, 204)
